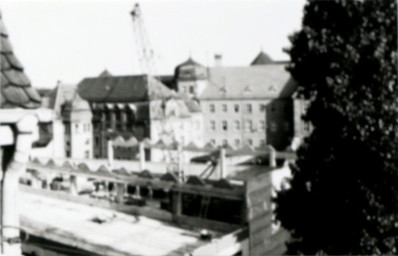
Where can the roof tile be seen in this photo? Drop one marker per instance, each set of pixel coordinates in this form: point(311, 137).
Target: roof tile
point(15, 85)
point(13, 61)
point(16, 77)
point(5, 45)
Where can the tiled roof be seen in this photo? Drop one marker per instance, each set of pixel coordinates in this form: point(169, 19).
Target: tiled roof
point(16, 90)
point(105, 73)
point(123, 89)
point(262, 59)
point(253, 82)
point(190, 61)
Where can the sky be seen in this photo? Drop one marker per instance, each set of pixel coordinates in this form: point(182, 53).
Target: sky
point(68, 40)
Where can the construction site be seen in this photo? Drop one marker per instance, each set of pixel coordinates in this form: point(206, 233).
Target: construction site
point(134, 165)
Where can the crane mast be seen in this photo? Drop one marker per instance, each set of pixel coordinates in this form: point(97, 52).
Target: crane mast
point(145, 53)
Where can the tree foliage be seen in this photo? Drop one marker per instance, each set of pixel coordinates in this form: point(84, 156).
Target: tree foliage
point(343, 195)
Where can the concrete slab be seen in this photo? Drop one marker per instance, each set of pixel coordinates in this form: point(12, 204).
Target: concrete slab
point(72, 224)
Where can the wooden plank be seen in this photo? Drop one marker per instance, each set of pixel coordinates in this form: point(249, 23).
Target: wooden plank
point(261, 222)
point(259, 196)
point(260, 236)
point(205, 223)
point(233, 194)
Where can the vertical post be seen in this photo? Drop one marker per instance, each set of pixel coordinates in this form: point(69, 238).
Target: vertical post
point(223, 164)
point(137, 191)
point(73, 185)
point(120, 189)
point(177, 203)
point(180, 163)
point(110, 153)
point(27, 132)
point(272, 156)
point(142, 156)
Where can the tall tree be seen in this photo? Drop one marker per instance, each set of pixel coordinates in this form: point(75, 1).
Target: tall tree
point(343, 194)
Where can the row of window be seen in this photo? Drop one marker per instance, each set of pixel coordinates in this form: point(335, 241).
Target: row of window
point(237, 142)
point(86, 127)
point(248, 125)
point(236, 108)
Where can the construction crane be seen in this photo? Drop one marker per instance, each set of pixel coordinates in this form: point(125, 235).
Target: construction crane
point(145, 52)
point(147, 60)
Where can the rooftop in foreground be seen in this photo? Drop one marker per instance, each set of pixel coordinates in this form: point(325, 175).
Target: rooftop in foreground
point(72, 224)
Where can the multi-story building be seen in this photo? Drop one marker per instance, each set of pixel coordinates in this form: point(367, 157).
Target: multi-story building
point(76, 117)
point(141, 107)
point(71, 126)
point(242, 105)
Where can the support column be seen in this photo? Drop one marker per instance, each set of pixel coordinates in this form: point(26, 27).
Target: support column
point(110, 154)
point(177, 203)
point(113, 118)
point(223, 164)
point(137, 191)
point(180, 163)
point(73, 185)
point(120, 190)
point(123, 116)
point(27, 132)
point(142, 156)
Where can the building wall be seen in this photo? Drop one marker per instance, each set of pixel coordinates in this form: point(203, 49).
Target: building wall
point(177, 125)
point(109, 123)
point(301, 128)
point(256, 122)
point(81, 140)
point(192, 88)
point(56, 146)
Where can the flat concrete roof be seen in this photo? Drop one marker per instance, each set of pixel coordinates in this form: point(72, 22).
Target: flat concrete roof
point(72, 224)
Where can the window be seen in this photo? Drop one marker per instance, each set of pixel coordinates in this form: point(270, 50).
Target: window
point(273, 127)
point(236, 108)
point(261, 107)
point(96, 141)
point(87, 141)
point(262, 143)
point(249, 108)
point(224, 107)
point(224, 142)
point(191, 89)
point(225, 125)
point(87, 154)
point(262, 125)
point(250, 142)
point(237, 143)
point(213, 125)
point(213, 142)
point(212, 108)
point(237, 125)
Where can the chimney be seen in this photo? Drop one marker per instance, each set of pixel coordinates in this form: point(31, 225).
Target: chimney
point(218, 60)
